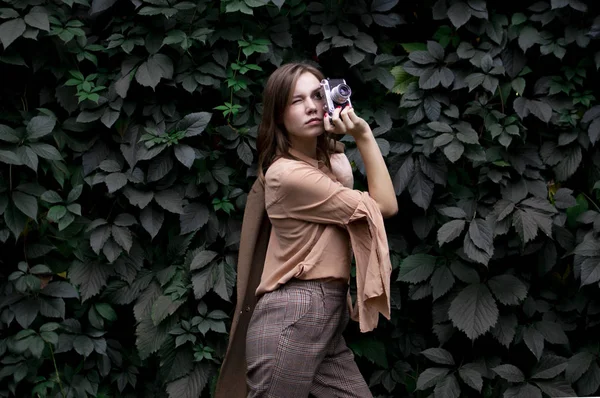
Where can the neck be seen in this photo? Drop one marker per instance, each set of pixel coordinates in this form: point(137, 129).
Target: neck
point(307, 146)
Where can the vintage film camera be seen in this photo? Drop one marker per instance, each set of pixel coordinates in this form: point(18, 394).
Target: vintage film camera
point(336, 93)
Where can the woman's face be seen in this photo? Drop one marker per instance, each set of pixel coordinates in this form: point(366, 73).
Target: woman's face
point(303, 116)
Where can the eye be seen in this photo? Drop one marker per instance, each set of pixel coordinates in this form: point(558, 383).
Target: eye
point(318, 95)
point(297, 101)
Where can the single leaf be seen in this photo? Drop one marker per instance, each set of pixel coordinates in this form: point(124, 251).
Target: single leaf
point(549, 367)
point(26, 203)
point(185, 154)
point(11, 30)
point(450, 231)
point(91, 277)
point(525, 225)
point(416, 268)
point(191, 385)
point(474, 310)
point(577, 365)
point(510, 373)
point(472, 378)
point(122, 236)
point(421, 190)
point(441, 281)
point(430, 377)
point(170, 200)
point(60, 289)
point(459, 13)
point(40, 126)
point(115, 181)
point(553, 332)
point(534, 341)
point(525, 390)
point(195, 216)
point(152, 219)
point(439, 356)
point(556, 388)
point(447, 387)
point(508, 289)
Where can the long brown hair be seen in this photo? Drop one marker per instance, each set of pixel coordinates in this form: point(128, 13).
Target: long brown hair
point(272, 137)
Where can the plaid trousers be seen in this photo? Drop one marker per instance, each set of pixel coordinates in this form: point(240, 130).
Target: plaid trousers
point(295, 347)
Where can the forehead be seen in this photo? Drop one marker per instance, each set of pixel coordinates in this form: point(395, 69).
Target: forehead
point(306, 83)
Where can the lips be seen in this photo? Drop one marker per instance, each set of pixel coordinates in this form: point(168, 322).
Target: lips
point(314, 119)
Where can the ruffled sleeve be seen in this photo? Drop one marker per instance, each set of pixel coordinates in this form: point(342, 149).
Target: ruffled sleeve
point(373, 265)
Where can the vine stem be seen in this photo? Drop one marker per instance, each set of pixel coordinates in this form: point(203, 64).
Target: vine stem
point(62, 391)
point(592, 201)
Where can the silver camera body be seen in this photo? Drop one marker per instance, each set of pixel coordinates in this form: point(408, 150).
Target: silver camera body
point(336, 93)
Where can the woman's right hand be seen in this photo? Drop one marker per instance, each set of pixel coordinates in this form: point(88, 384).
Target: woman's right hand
point(346, 121)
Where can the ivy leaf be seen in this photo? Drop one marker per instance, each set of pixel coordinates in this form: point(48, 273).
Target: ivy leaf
point(556, 388)
point(170, 200)
point(525, 225)
point(202, 259)
point(194, 216)
point(464, 272)
point(421, 190)
point(508, 289)
point(149, 337)
point(577, 365)
point(471, 377)
point(510, 373)
point(11, 30)
point(91, 277)
point(40, 126)
point(383, 5)
point(439, 356)
point(589, 383)
point(157, 67)
point(245, 153)
point(122, 236)
point(523, 391)
point(450, 231)
point(115, 181)
point(447, 387)
point(549, 367)
point(191, 385)
point(454, 150)
point(534, 341)
point(83, 345)
point(163, 307)
point(441, 282)
point(194, 123)
point(528, 37)
point(152, 220)
point(430, 377)
point(138, 198)
point(404, 175)
point(60, 289)
point(482, 235)
point(45, 151)
point(474, 310)
point(416, 268)
point(26, 203)
point(553, 332)
point(353, 56)
point(459, 13)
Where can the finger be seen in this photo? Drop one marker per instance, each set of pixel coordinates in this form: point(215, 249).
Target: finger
point(340, 128)
point(328, 123)
point(353, 116)
point(344, 115)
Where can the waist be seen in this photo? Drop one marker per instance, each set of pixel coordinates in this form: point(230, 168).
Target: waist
point(326, 285)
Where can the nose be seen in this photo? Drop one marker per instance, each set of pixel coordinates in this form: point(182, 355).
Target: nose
point(310, 105)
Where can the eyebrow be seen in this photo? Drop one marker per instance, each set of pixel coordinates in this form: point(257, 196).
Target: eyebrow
point(312, 92)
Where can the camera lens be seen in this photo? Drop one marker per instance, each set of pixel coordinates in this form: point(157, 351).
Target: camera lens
point(341, 93)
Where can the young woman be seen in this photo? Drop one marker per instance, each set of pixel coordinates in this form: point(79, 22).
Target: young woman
point(294, 343)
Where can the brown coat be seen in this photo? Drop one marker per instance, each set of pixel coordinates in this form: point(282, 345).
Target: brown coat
point(254, 240)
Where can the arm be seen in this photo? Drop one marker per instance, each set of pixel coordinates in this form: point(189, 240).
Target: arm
point(381, 188)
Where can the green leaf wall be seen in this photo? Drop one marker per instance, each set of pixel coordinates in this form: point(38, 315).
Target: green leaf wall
point(128, 147)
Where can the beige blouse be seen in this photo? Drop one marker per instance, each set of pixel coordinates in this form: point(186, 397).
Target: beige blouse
point(315, 219)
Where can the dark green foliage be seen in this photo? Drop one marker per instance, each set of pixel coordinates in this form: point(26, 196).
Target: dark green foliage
point(127, 148)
